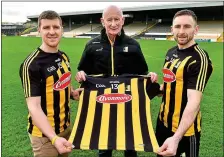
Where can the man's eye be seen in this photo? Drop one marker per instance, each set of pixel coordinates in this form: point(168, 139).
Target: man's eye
point(187, 26)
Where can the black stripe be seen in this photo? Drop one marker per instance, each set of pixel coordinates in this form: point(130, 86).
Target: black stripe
point(30, 129)
point(43, 100)
point(184, 97)
point(66, 103)
point(172, 101)
point(112, 127)
point(143, 119)
point(66, 108)
point(196, 123)
point(82, 120)
point(129, 136)
point(94, 141)
point(163, 101)
point(164, 96)
point(56, 96)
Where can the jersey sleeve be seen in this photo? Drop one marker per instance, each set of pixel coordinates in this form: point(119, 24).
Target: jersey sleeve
point(198, 74)
point(65, 56)
point(31, 80)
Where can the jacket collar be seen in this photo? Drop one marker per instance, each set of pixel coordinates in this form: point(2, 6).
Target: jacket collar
point(118, 38)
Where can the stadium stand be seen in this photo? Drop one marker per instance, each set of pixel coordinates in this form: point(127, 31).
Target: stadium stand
point(73, 27)
point(210, 26)
point(134, 28)
point(160, 28)
point(86, 28)
point(12, 29)
point(147, 22)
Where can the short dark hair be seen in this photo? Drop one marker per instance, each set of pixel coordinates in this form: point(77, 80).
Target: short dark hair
point(186, 12)
point(50, 15)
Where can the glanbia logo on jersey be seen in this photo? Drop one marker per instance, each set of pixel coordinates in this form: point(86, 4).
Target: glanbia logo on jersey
point(63, 82)
point(168, 76)
point(113, 98)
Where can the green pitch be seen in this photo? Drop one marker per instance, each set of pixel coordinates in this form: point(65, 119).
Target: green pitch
point(15, 141)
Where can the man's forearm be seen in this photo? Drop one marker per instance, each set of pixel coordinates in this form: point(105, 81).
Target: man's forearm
point(187, 120)
point(41, 121)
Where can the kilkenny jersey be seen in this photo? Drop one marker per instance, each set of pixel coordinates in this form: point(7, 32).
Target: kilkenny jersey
point(184, 69)
point(114, 113)
point(48, 75)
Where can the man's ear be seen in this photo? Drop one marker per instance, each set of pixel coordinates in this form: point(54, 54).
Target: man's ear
point(123, 19)
point(196, 30)
point(102, 21)
point(171, 29)
point(62, 29)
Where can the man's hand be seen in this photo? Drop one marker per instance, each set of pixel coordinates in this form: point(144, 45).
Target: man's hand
point(62, 145)
point(75, 93)
point(153, 76)
point(169, 147)
point(162, 90)
point(80, 76)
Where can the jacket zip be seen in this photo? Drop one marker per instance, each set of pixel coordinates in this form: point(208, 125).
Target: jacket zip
point(112, 60)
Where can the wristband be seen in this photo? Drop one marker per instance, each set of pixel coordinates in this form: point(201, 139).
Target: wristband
point(54, 139)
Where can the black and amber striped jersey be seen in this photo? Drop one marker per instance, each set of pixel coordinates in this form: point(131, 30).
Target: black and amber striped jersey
point(48, 75)
point(114, 113)
point(184, 69)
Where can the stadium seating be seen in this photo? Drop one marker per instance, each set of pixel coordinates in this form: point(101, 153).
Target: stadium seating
point(160, 28)
point(134, 28)
point(210, 26)
point(84, 29)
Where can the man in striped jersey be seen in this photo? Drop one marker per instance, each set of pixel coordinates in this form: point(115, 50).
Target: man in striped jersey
point(186, 71)
point(46, 80)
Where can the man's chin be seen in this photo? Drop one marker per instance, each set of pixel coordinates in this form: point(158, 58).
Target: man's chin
point(114, 33)
point(182, 42)
point(53, 45)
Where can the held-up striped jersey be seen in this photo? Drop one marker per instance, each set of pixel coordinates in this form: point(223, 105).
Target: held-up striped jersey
point(48, 75)
point(184, 69)
point(114, 113)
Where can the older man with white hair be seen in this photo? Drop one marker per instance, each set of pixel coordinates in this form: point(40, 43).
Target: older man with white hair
point(113, 53)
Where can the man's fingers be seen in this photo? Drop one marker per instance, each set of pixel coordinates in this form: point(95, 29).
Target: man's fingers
point(153, 76)
point(165, 153)
point(77, 77)
point(79, 89)
point(162, 148)
point(67, 144)
point(80, 76)
point(83, 75)
point(161, 87)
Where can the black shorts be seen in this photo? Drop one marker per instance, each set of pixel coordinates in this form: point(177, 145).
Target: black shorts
point(188, 144)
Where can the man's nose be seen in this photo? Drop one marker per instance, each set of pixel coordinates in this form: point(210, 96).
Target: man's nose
point(51, 31)
point(113, 23)
point(181, 30)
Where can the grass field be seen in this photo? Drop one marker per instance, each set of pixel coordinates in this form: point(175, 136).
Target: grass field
point(15, 141)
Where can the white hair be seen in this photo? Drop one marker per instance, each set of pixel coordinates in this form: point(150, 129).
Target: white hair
point(112, 6)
